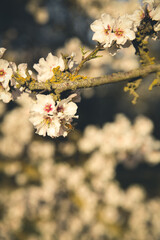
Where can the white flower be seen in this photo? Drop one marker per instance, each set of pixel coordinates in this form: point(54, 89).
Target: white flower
point(46, 124)
point(44, 105)
point(53, 119)
point(5, 72)
point(21, 69)
point(153, 8)
point(43, 116)
point(157, 27)
point(67, 109)
point(137, 17)
point(5, 95)
point(45, 67)
point(155, 13)
point(103, 30)
point(123, 29)
point(71, 63)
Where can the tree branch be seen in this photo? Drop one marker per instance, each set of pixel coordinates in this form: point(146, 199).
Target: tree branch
point(86, 82)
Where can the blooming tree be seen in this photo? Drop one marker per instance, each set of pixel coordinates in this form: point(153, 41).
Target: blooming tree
point(51, 114)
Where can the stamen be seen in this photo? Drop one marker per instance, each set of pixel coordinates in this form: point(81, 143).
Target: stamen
point(48, 120)
point(119, 32)
point(60, 109)
point(2, 73)
point(106, 30)
point(48, 108)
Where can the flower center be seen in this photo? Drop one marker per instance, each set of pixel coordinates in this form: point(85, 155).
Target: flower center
point(1, 87)
point(2, 73)
point(119, 32)
point(106, 30)
point(47, 120)
point(48, 108)
point(142, 15)
point(60, 109)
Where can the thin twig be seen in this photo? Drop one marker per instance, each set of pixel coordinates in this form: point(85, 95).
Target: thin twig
point(88, 57)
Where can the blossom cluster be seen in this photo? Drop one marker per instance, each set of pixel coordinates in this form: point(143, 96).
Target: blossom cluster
point(116, 33)
point(53, 118)
point(48, 117)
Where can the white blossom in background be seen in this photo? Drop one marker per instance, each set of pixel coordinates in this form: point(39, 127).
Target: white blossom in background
point(103, 30)
point(51, 118)
point(45, 67)
point(121, 137)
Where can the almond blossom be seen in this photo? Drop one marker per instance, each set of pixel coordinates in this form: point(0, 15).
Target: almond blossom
point(5, 72)
point(53, 118)
point(137, 17)
point(123, 30)
point(113, 32)
point(44, 105)
point(103, 30)
point(66, 107)
point(153, 8)
point(5, 95)
point(5, 77)
point(45, 124)
point(45, 67)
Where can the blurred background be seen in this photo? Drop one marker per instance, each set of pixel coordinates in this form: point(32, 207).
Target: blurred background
point(102, 181)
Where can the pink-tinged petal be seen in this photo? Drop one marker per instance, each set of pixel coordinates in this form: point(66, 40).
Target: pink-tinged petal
point(130, 34)
point(4, 64)
point(100, 37)
point(13, 66)
point(155, 13)
point(42, 62)
point(42, 129)
point(36, 119)
point(61, 63)
point(53, 130)
point(5, 96)
point(70, 109)
point(52, 60)
point(97, 25)
point(22, 69)
point(121, 40)
point(45, 76)
point(107, 21)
